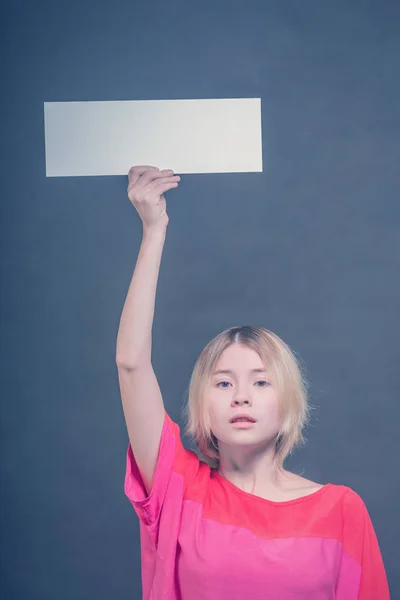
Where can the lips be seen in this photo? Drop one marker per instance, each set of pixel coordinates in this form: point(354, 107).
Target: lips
point(242, 416)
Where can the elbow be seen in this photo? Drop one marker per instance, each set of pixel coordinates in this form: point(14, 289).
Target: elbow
point(123, 363)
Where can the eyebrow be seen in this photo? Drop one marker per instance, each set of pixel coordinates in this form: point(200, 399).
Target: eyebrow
point(229, 372)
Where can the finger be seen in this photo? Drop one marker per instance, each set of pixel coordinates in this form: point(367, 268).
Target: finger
point(161, 180)
point(156, 182)
point(166, 186)
point(136, 171)
point(141, 169)
point(151, 176)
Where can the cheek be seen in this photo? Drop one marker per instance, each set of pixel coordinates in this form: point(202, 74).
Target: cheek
point(217, 412)
point(272, 412)
point(214, 409)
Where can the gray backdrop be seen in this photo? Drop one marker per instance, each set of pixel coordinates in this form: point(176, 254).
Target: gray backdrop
point(310, 248)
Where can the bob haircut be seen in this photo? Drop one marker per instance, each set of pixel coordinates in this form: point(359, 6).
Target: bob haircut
point(285, 373)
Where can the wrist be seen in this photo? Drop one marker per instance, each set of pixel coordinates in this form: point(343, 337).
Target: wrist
point(157, 231)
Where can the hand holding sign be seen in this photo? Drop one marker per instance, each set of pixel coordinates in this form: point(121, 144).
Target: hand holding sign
point(145, 190)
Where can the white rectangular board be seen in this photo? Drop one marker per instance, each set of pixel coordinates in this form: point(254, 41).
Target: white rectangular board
point(220, 135)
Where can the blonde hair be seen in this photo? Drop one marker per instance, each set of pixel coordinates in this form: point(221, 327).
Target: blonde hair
point(286, 374)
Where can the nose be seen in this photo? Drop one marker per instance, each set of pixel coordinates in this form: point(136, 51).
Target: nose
point(240, 400)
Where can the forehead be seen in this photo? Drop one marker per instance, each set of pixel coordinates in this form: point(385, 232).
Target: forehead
point(239, 359)
point(233, 371)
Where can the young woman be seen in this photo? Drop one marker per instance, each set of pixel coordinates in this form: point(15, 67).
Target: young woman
point(229, 522)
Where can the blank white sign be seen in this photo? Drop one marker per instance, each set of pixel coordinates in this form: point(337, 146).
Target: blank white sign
point(189, 136)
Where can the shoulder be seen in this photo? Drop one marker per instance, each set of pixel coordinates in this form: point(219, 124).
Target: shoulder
point(351, 503)
point(351, 499)
point(352, 507)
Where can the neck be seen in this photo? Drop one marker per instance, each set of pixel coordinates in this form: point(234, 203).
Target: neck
point(252, 472)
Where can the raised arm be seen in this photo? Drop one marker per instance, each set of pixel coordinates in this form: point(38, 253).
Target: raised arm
point(140, 393)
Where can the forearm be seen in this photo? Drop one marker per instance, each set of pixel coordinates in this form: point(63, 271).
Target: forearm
point(135, 328)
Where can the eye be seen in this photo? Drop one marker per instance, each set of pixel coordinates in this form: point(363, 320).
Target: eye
point(259, 381)
point(218, 384)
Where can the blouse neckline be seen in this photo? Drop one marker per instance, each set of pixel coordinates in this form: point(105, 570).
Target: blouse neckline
point(249, 495)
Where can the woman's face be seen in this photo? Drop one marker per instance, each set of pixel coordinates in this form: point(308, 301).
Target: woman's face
point(246, 388)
